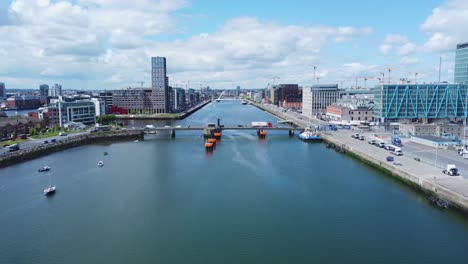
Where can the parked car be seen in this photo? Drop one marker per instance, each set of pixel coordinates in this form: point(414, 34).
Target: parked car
point(53, 140)
point(372, 142)
point(45, 141)
point(62, 134)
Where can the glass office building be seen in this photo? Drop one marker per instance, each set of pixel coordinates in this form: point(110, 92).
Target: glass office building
point(461, 63)
point(417, 101)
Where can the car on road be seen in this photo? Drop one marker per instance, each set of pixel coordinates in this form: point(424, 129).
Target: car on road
point(53, 140)
point(45, 142)
point(372, 142)
point(62, 134)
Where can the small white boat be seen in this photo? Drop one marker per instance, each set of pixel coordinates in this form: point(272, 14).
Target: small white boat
point(100, 163)
point(49, 190)
point(136, 141)
point(43, 169)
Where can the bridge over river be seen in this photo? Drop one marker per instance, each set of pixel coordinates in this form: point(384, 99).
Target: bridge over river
point(207, 130)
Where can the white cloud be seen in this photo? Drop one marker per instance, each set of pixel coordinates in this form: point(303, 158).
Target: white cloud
point(395, 39)
point(385, 48)
point(447, 26)
point(399, 43)
point(406, 49)
point(409, 60)
point(108, 44)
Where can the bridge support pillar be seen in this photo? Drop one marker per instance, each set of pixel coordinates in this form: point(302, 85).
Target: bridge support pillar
point(172, 133)
point(291, 132)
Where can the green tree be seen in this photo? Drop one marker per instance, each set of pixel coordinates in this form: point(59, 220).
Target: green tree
point(32, 131)
point(105, 119)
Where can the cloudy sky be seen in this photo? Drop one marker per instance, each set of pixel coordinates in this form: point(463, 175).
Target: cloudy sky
point(108, 44)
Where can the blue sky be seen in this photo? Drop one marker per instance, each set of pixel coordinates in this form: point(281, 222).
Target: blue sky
point(93, 44)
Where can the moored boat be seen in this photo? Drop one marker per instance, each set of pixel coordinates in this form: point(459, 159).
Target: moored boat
point(310, 134)
point(49, 190)
point(100, 163)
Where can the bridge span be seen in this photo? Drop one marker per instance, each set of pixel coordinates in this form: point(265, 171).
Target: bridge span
point(208, 130)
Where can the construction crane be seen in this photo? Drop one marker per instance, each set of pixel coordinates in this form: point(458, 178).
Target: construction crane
point(274, 80)
point(141, 83)
point(415, 76)
point(390, 69)
point(365, 78)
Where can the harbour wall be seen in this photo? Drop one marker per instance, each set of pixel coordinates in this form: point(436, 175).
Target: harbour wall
point(70, 142)
point(430, 187)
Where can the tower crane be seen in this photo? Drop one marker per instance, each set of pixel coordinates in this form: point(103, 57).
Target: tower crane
point(415, 76)
point(141, 83)
point(365, 78)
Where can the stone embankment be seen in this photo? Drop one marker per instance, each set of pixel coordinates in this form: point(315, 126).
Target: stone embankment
point(453, 189)
point(70, 142)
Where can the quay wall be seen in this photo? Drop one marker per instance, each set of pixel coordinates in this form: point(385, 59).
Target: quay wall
point(429, 187)
point(70, 142)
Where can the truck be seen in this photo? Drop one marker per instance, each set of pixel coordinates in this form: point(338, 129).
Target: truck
point(451, 170)
point(396, 141)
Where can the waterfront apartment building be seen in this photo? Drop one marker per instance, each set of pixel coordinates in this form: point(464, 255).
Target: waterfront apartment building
point(107, 98)
point(420, 102)
point(2, 91)
point(56, 90)
point(179, 99)
point(62, 113)
point(10, 126)
point(461, 63)
point(99, 105)
point(286, 95)
point(23, 102)
point(316, 98)
point(43, 90)
point(160, 85)
point(134, 100)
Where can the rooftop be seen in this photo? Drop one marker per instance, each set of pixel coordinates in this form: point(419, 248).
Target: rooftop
point(434, 139)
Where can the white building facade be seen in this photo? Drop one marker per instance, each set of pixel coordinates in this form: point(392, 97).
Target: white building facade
point(315, 99)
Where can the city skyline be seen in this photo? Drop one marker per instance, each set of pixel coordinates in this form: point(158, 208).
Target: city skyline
point(91, 44)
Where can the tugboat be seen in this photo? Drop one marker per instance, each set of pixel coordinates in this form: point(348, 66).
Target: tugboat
point(310, 134)
point(43, 169)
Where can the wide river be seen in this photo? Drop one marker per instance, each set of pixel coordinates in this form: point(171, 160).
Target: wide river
point(164, 200)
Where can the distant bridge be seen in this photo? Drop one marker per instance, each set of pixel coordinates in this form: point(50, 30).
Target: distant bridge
point(173, 130)
point(223, 98)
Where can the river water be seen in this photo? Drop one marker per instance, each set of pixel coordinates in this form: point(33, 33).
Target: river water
point(164, 200)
